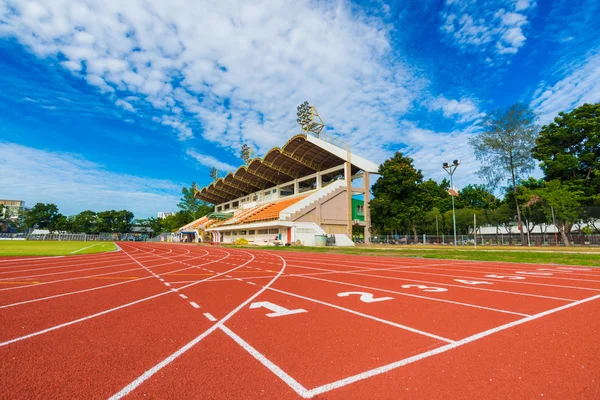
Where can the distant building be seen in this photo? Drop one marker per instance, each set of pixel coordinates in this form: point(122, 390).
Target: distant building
point(163, 215)
point(12, 208)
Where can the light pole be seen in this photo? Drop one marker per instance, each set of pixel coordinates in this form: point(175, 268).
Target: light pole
point(450, 168)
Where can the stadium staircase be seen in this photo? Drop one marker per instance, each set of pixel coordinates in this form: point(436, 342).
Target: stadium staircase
point(300, 207)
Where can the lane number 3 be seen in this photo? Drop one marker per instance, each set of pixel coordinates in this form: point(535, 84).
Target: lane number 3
point(425, 288)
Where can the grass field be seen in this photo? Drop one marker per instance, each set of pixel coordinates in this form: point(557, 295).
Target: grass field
point(35, 248)
point(560, 255)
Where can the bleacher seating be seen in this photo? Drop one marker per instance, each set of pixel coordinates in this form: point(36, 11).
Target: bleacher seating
point(271, 211)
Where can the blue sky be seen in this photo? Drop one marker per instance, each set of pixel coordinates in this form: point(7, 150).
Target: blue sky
point(118, 104)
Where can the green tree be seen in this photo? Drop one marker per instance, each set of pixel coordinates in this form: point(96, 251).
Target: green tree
point(400, 200)
point(246, 153)
point(214, 173)
point(503, 216)
point(566, 201)
point(43, 216)
point(569, 148)
point(188, 203)
point(476, 197)
point(156, 225)
point(84, 222)
point(504, 147)
point(113, 221)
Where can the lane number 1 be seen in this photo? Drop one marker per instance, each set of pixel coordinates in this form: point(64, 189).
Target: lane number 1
point(278, 311)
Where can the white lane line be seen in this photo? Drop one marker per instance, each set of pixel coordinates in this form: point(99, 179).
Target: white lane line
point(357, 272)
point(174, 290)
point(183, 296)
point(149, 373)
point(194, 304)
point(161, 279)
point(210, 317)
point(291, 382)
point(417, 296)
point(404, 327)
point(70, 293)
point(103, 312)
point(251, 283)
point(30, 259)
point(380, 370)
point(403, 270)
point(87, 247)
point(167, 284)
point(80, 319)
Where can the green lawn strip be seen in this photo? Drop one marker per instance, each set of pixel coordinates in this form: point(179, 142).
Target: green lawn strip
point(41, 248)
point(591, 260)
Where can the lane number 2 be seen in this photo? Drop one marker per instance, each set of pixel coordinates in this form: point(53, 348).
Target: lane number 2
point(425, 288)
point(365, 297)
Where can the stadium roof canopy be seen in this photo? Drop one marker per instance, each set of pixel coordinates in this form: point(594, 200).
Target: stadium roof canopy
point(301, 156)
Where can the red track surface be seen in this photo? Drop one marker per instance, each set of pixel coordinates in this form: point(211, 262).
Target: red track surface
point(176, 321)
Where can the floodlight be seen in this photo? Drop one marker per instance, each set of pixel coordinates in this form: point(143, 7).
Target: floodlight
point(448, 168)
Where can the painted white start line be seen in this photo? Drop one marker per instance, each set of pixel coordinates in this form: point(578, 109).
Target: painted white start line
point(194, 304)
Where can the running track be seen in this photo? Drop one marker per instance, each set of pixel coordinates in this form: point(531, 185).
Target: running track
point(177, 321)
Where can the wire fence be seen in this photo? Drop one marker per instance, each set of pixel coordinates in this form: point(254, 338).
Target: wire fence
point(82, 237)
point(533, 239)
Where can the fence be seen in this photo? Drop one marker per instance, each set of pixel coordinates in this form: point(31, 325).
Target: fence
point(534, 239)
point(74, 237)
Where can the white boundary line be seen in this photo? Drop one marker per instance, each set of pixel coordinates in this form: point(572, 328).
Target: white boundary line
point(77, 251)
point(291, 382)
point(149, 373)
point(394, 324)
point(385, 368)
point(358, 272)
point(110, 310)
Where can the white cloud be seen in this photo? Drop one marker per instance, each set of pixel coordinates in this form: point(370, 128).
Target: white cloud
point(578, 83)
point(494, 26)
point(125, 105)
point(430, 149)
point(210, 161)
point(464, 109)
point(75, 184)
point(231, 71)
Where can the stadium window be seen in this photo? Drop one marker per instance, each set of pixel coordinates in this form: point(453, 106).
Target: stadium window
point(360, 210)
point(251, 232)
point(242, 232)
point(219, 208)
point(227, 233)
point(263, 232)
point(234, 233)
point(235, 204)
point(272, 231)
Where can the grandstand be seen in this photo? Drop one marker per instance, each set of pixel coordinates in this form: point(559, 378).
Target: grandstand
point(311, 187)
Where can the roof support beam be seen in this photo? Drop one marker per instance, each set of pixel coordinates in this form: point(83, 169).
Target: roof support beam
point(210, 197)
point(223, 187)
point(253, 186)
point(224, 194)
point(263, 176)
point(285, 171)
point(311, 165)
